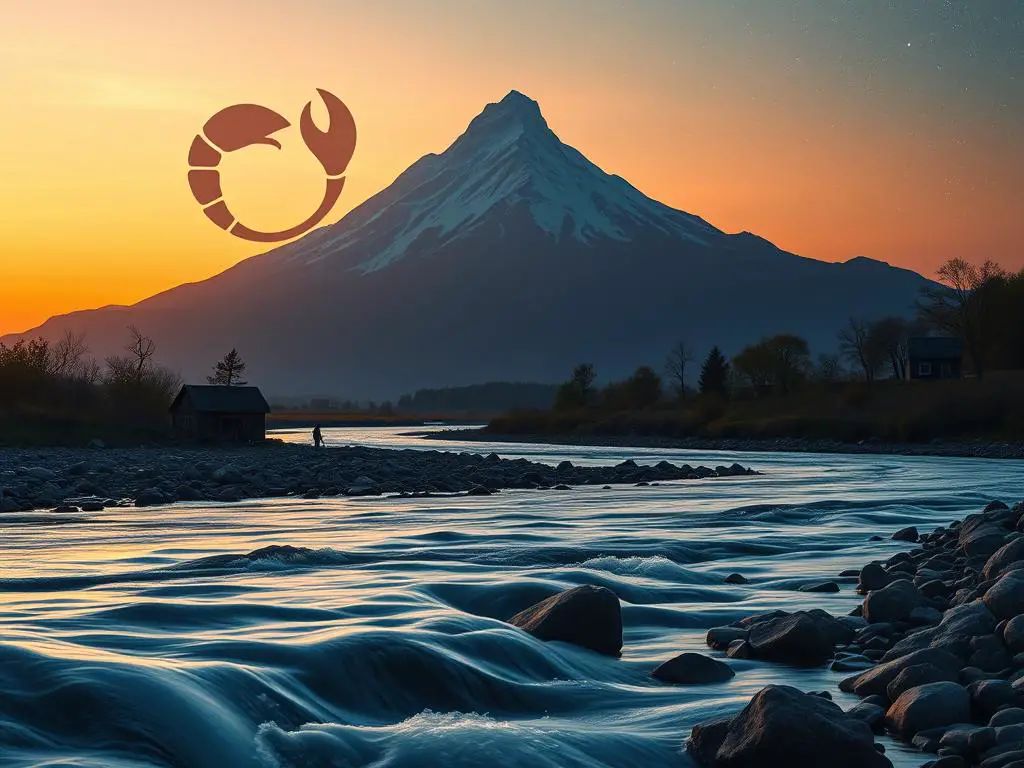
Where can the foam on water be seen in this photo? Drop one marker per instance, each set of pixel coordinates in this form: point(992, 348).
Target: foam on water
point(369, 632)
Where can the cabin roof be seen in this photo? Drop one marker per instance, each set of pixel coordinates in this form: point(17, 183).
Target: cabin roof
point(941, 347)
point(222, 399)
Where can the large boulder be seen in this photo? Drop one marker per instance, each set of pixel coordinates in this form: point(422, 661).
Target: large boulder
point(917, 675)
point(876, 681)
point(981, 539)
point(929, 706)
point(1004, 557)
point(894, 602)
point(1013, 634)
point(785, 727)
point(588, 616)
point(693, 669)
point(1005, 598)
point(793, 639)
point(959, 624)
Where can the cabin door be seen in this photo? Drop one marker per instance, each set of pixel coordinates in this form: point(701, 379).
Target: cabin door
point(231, 429)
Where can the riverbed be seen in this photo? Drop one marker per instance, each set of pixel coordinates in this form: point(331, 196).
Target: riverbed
point(123, 644)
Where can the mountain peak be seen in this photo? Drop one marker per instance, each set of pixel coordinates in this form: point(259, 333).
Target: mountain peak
point(516, 112)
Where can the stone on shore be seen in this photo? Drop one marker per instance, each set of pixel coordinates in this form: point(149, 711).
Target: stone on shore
point(1005, 598)
point(953, 634)
point(894, 602)
point(693, 669)
point(782, 726)
point(587, 616)
point(1010, 553)
point(929, 706)
point(876, 681)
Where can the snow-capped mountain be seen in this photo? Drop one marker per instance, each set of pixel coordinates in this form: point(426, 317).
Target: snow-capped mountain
point(508, 256)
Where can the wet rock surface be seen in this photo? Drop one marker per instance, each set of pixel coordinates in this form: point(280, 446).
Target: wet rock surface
point(936, 648)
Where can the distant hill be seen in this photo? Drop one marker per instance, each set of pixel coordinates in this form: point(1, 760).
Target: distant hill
point(509, 256)
point(491, 398)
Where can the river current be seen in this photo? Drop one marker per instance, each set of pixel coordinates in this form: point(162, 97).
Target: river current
point(128, 639)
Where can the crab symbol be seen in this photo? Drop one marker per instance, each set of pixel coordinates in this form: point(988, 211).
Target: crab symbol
point(244, 125)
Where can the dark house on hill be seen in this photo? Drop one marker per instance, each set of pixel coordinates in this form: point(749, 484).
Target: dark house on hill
point(935, 357)
point(220, 414)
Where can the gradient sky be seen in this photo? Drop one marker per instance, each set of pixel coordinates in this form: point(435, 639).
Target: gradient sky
point(885, 128)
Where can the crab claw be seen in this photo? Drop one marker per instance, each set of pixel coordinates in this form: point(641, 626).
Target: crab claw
point(243, 125)
point(333, 147)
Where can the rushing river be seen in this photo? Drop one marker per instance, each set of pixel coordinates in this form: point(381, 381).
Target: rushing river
point(119, 646)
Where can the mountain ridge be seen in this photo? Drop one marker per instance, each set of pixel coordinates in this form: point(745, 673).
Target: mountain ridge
point(509, 255)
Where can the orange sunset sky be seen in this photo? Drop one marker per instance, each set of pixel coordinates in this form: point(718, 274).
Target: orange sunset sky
point(832, 128)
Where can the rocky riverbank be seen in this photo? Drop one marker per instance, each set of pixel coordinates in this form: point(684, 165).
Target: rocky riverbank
point(94, 478)
point(980, 449)
point(937, 648)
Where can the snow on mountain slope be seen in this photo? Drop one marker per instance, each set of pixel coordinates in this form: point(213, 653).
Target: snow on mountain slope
point(508, 156)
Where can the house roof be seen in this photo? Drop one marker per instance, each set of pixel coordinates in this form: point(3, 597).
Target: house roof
point(222, 399)
point(942, 347)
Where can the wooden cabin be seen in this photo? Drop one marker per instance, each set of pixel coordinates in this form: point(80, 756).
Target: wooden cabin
point(935, 357)
point(220, 414)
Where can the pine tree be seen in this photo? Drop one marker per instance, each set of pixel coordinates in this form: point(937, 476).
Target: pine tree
point(228, 372)
point(714, 374)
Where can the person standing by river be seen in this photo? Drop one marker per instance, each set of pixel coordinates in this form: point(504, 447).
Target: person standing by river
point(318, 438)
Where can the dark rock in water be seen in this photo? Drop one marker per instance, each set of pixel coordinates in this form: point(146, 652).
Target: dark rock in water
point(587, 616)
point(150, 497)
point(876, 681)
point(564, 466)
point(719, 638)
point(873, 576)
point(739, 649)
point(794, 639)
point(706, 738)
point(735, 578)
point(561, 487)
point(782, 726)
point(894, 602)
point(906, 534)
point(929, 706)
point(1003, 558)
point(876, 537)
point(872, 714)
point(693, 669)
point(824, 586)
point(66, 508)
point(1005, 598)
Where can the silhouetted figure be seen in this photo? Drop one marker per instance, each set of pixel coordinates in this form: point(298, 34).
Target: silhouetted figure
point(318, 439)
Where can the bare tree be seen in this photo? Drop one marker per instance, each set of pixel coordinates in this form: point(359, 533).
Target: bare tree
point(675, 366)
point(67, 355)
point(858, 347)
point(959, 306)
point(141, 348)
point(828, 369)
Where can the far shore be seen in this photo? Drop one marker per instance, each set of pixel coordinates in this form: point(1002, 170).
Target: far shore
point(981, 449)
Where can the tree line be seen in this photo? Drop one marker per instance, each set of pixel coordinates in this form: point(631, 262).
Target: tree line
point(61, 380)
point(982, 305)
